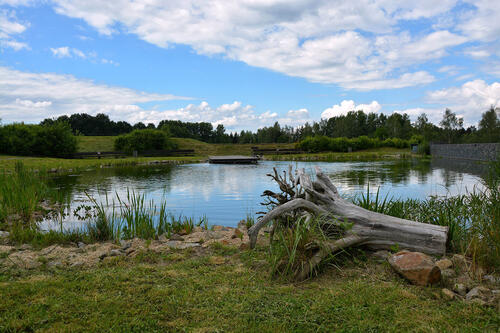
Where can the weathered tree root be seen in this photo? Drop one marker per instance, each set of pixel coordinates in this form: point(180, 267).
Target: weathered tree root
point(374, 230)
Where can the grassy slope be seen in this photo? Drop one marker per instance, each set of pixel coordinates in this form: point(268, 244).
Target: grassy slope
point(96, 143)
point(178, 291)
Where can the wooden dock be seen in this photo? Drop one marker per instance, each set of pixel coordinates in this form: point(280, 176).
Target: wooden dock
point(233, 159)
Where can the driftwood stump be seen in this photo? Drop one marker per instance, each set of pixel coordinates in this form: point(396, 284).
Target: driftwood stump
point(301, 196)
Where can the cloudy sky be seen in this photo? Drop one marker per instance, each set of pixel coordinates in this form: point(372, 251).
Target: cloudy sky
point(247, 63)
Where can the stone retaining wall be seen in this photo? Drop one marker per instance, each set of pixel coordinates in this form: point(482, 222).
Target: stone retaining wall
point(469, 151)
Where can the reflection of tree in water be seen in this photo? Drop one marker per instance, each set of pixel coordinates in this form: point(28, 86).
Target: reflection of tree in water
point(105, 180)
point(395, 172)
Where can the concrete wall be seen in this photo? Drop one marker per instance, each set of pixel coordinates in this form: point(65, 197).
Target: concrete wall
point(469, 151)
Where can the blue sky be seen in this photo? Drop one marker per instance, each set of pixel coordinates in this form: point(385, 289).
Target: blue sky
point(247, 63)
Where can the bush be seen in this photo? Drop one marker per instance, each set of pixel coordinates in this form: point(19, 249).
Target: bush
point(54, 140)
point(142, 140)
point(342, 144)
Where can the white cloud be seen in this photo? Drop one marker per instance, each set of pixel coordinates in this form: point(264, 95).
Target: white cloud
point(34, 96)
point(469, 101)
point(10, 27)
point(295, 118)
point(434, 115)
point(61, 52)
point(31, 104)
point(348, 105)
point(450, 70)
point(482, 23)
point(67, 52)
point(319, 40)
point(71, 52)
point(477, 52)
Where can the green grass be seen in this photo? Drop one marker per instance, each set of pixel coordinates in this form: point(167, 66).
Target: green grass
point(43, 164)
point(95, 143)
point(105, 143)
point(181, 291)
point(368, 154)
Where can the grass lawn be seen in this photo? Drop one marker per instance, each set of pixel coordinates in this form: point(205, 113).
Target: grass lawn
point(95, 143)
point(184, 291)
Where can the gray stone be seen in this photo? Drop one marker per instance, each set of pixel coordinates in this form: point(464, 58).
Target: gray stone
point(481, 293)
point(459, 261)
point(460, 289)
point(491, 279)
point(381, 255)
point(4, 234)
point(444, 263)
point(237, 234)
point(81, 245)
point(181, 245)
point(24, 247)
point(448, 274)
point(125, 244)
point(448, 294)
point(115, 253)
point(163, 238)
point(55, 264)
point(242, 225)
point(477, 301)
point(176, 237)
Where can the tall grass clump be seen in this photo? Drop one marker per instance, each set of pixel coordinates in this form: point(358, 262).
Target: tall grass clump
point(136, 217)
point(296, 241)
point(21, 192)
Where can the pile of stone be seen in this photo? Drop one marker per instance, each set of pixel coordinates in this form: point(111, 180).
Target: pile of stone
point(454, 274)
point(81, 254)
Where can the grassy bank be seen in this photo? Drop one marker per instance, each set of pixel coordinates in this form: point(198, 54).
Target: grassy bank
point(47, 164)
point(368, 154)
point(223, 289)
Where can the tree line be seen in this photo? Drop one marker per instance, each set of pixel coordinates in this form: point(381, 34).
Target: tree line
point(351, 125)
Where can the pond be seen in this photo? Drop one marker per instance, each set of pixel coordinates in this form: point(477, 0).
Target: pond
point(226, 194)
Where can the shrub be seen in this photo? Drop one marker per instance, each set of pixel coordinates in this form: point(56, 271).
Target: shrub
point(323, 143)
point(141, 140)
point(43, 140)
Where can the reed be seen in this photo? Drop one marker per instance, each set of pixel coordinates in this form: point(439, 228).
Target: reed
point(21, 192)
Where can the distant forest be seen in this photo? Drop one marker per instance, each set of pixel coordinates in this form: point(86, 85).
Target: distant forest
point(353, 124)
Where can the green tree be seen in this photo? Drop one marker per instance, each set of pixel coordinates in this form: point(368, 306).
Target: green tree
point(451, 125)
point(489, 126)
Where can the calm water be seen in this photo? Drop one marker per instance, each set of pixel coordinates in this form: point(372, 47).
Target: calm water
point(225, 194)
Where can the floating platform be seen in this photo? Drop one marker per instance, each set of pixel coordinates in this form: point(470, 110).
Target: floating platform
point(233, 159)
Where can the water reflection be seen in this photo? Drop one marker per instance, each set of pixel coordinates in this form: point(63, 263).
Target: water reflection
point(227, 193)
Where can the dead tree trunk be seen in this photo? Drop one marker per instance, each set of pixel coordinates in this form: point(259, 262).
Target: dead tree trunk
point(300, 195)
